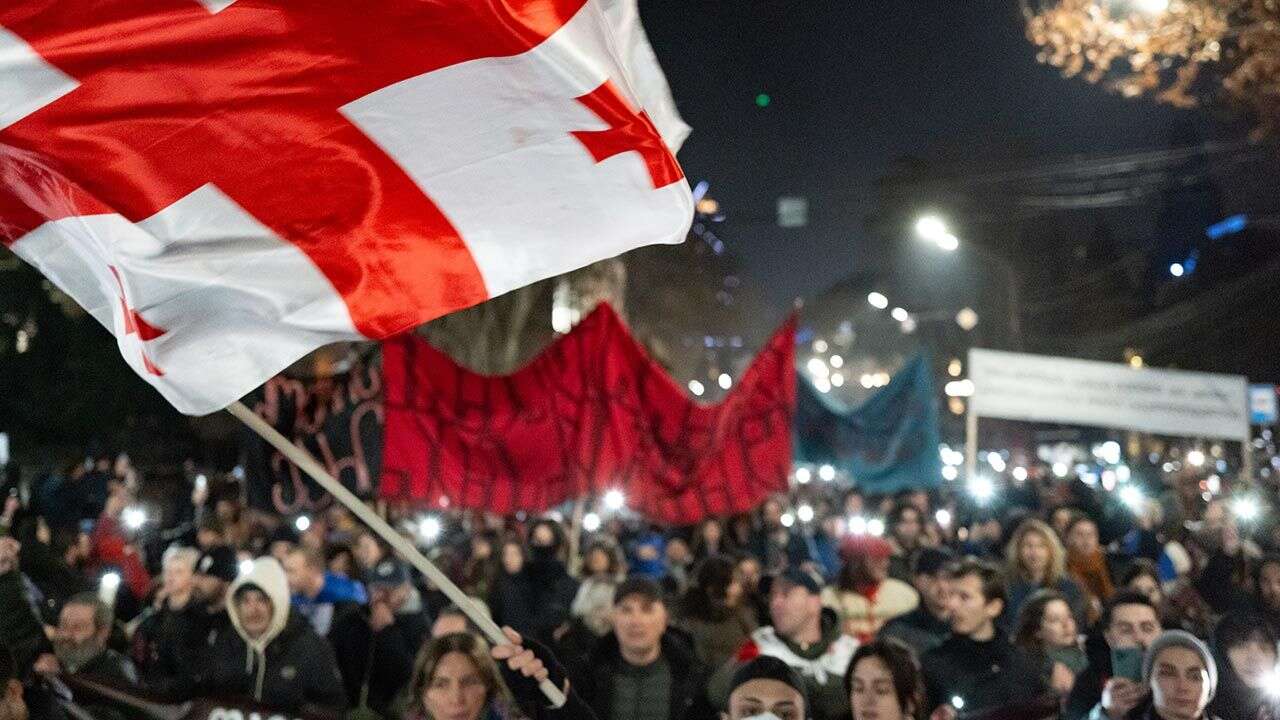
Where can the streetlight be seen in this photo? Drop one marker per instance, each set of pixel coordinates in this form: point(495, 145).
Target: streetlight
point(878, 300)
point(934, 229)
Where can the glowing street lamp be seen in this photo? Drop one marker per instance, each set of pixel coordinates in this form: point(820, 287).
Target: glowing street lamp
point(878, 300)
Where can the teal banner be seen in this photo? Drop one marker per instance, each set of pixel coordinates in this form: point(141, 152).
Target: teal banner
point(889, 443)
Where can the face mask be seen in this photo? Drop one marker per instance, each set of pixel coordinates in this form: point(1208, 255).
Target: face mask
point(542, 553)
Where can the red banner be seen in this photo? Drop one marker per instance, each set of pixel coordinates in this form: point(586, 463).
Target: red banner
point(592, 413)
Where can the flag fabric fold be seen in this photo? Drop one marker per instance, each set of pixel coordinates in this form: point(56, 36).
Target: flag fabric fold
point(592, 413)
point(887, 444)
point(229, 184)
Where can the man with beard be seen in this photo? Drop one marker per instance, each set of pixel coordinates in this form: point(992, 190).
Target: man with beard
point(80, 644)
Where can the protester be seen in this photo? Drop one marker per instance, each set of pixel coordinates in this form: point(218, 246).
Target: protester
point(1245, 652)
point(1046, 629)
point(926, 627)
point(451, 619)
point(170, 632)
point(905, 525)
point(273, 655)
point(80, 643)
point(375, 646)
point(1088, 564)
point(714, 613)
point(603, 569)
point(455, 679)
point(1130, 622)
point(319, 595)
point(21, 635)
point(1266, 594)
point(536, 599)
point(709, 539)
point(1037, 561)
point(643, 669)
point(884, 682)
point(767, 687)
point(1181, 676)
point(806, 637)
point(865, 597)
point(976, 668)
point(12, 704)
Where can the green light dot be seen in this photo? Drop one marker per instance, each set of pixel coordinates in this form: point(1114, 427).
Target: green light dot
point(763, 100)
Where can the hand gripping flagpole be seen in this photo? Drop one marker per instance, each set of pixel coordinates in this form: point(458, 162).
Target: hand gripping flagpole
point(406, 550)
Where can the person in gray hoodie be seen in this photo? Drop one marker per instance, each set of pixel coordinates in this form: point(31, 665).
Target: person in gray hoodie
point(273, 656)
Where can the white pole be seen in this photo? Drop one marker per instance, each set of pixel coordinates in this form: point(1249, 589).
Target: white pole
point(403, 547)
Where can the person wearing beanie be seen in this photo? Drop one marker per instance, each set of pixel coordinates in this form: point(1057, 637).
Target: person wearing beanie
point(1182, 677)
point(926, 627)
point(865, 597)
point(767, 685)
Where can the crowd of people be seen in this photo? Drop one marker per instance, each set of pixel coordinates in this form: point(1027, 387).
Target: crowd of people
point(1053, 599)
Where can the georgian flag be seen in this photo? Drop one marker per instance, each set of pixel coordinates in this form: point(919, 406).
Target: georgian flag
point(230, 184)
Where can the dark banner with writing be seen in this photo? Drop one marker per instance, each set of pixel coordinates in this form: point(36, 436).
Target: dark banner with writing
point(338, 419)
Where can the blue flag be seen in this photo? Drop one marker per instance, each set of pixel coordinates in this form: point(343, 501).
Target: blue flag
point(888, 444)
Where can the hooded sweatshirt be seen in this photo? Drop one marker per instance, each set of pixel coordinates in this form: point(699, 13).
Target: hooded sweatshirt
point(288, 667)
point(269, 577)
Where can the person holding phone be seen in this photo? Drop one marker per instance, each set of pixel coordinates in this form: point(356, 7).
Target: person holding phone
point(1112, 684)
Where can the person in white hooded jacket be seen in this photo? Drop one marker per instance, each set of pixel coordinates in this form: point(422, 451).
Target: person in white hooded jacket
point(273, 657)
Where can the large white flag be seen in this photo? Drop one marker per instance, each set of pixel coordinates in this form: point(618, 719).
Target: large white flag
point(228, 185)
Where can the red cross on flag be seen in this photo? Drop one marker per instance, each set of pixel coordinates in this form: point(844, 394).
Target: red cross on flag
point(229, 184)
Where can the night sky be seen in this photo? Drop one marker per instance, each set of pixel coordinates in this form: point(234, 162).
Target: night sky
point(854, 85)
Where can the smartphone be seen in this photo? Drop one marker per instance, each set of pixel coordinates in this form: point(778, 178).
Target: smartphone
point(1127, 663)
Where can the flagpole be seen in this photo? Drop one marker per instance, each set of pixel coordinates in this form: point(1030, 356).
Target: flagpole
point(403, 547)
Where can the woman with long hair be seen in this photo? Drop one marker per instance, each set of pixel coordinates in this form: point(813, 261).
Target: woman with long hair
point(714, 611)
point(1047, 630)
point(455, 679)
point(1037, 561)
point(884, 682)
point(1245, 648)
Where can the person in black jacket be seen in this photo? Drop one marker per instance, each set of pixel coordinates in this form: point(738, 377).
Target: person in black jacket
point(536, 599)
point(273, 657)
point(976, 668)
point(926, 627)
point(1129, 620)
point(644, 670)
point(1244, 649)
point(376, 647)
point(170, 633)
